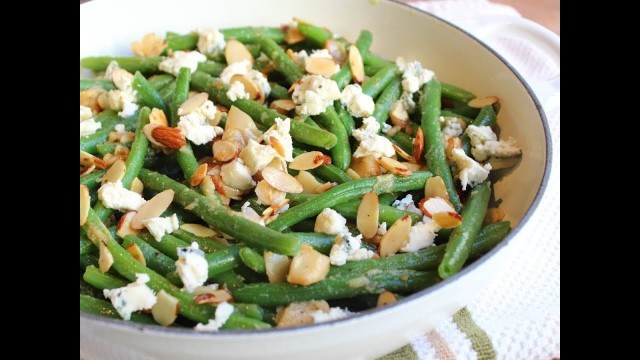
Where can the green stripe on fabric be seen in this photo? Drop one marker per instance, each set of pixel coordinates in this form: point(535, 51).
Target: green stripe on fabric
point(404, 353)
point(479, 339)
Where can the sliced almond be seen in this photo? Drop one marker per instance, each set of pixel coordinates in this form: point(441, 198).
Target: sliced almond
point(150, 45)
point(213, 297)
point(418, 145)
point(166, 309)
point(169, 137)
point(282, 106)
point(352, 174)
point(85, 204)
point(136, 186)
point(493, 216)
point(89, 98)
point(277, 266)
point(386, 298)
point(235, 51)
point(87, 159)
point(336, 50)
point(86, 170)
point(281, 180)
point(238, 119)
point(295, 84)
point(483, 101)
point(121, 137)
point(434, 187)
point(433, 205)
point(368, 212)
point(277, 146)
point(366, 166)
point(394, 166)
point(447, 220)
point(308, 266)
point(115, 173)
point(226, 190)
point(236, 136)
point(106, 259)
point(324, 187)
point(394, 130)
point(198, 230)
point(249, 86)
point(300, 313)
point(403, 154)
point(320, 66)
point(152, 208)
point(356, 64)
point(137, 254)
point(293, 36)
point(396, 237)
point(124, 225)
point(192, 103)
point(308, 181)
point(157, 116)
point(309, 160)
point(398, 114)
point(268, 195)
point(198, 175)
point(412, 166)
point(453, 143)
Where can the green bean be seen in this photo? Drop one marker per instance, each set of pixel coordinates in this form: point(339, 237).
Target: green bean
point(328, 172)
point(347, 191)
point(108, 148)
point(219, 56)
point(86, 289)
point(434, 145)
point(240, 228)
point(447, 113)
point(249, 35)
point(339, 287)
point(145, 65)
point(462, 237)
point(108, 120)
point(91, 180)
point(387, 199)
point(100, 280)
point(211, 67)
point(453, 92)
point(230, 279)
point(345, 118)
point(166, 93)
point(100, 83)
point(341, 152)
point(182, 42)
point(376, 84)
point(88, 260)
point(459, 107)
point(370, 59)
point(147, 95)
point(344, 76)
point(155, 260)
point(281, 62)
point(160, 81)
point(403, 140)
point(363, 43)
point(185, 157)
point(309, 121)
point(206, 244)
point(95, 306)
point(168, 245)
point(317, 35)
point(320, 242)
point(86, 245)
point(278, 91)
point(252, 259)
point(250, 310)
point(389, 95)
point(486, 117)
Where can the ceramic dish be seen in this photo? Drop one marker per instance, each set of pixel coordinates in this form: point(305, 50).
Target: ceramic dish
point(109, 27)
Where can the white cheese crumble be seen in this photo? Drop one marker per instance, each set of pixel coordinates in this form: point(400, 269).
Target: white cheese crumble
point(256, 157)
point(348, 248)
point(210, 40)
point(247, 211)
point(135, 296)
point(195, 125)
point(160, 226)
point(282, 134)
point(85, 113)
point(223, 312)
point(452, 126)
point(421, 235)
point(484, 143)
point(413, 75)
point(469, 171)
point(237, 175)
point(192, 267)
point(407, 204)
point(114, 196)
point(88, 124)
point(180, 59)
point(108, 73)
point(330, 222)
point(124, 97)
point(382, 229)
point(300, 57)
point(237, 68)
point(370, 142)
point(119, 128)
point(358, 104)
point(314, 93)
point(334, 313)
point(236, 91)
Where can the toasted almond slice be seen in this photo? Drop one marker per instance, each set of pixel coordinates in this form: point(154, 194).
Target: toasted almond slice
point(238, 119)
point(152, 208)
point(124, 225)
point(308, 181)
point(249, 86)
point(169, 137)
point(199, 174)
point(396, 237)
point(136, 186)
point(418, 145)
point(282, 106)
point(157, 116)
point(447, 220)
point(366, 166)
point(352, 174)
point(198, 230)
point(386, 298)
point(236, 136)
point(137, 254)
point(320, 66)
point(267, 195)
point(398, 114)
point(226, 190)
point(453, 143)
point(277, 266)
point(356, 64)
point(235, 51)
point(403, 154)
point(150, 45)
point(282, 181)
point(277, 145)
point(324, 187)
point(293, 36)
point(336, 50)
point(412, 166)
point(86, 170)
point(493, 216)
point(166, 309)
point(300, 313)
point(394, 166)
point(213, 297)
point(368, 212)
point(106, 259)
point(433, 205)
point(85, 204)
point(115, 173)
point(294, 85)
point(483, 101)
point(309, 160)
point(192, 103)
point(434, 187)
point(87, 159)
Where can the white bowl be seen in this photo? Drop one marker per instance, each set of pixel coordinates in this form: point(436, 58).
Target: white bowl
point(109, 27)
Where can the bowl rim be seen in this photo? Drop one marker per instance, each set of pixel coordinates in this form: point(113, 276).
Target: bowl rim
point(161, 330)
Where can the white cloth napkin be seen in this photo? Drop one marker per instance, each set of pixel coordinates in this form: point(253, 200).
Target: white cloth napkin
point(520, 309)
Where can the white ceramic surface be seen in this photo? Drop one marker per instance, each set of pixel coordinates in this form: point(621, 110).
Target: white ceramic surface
point(397, 30)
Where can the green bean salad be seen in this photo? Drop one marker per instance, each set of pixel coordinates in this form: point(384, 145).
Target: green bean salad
point(258, 177)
